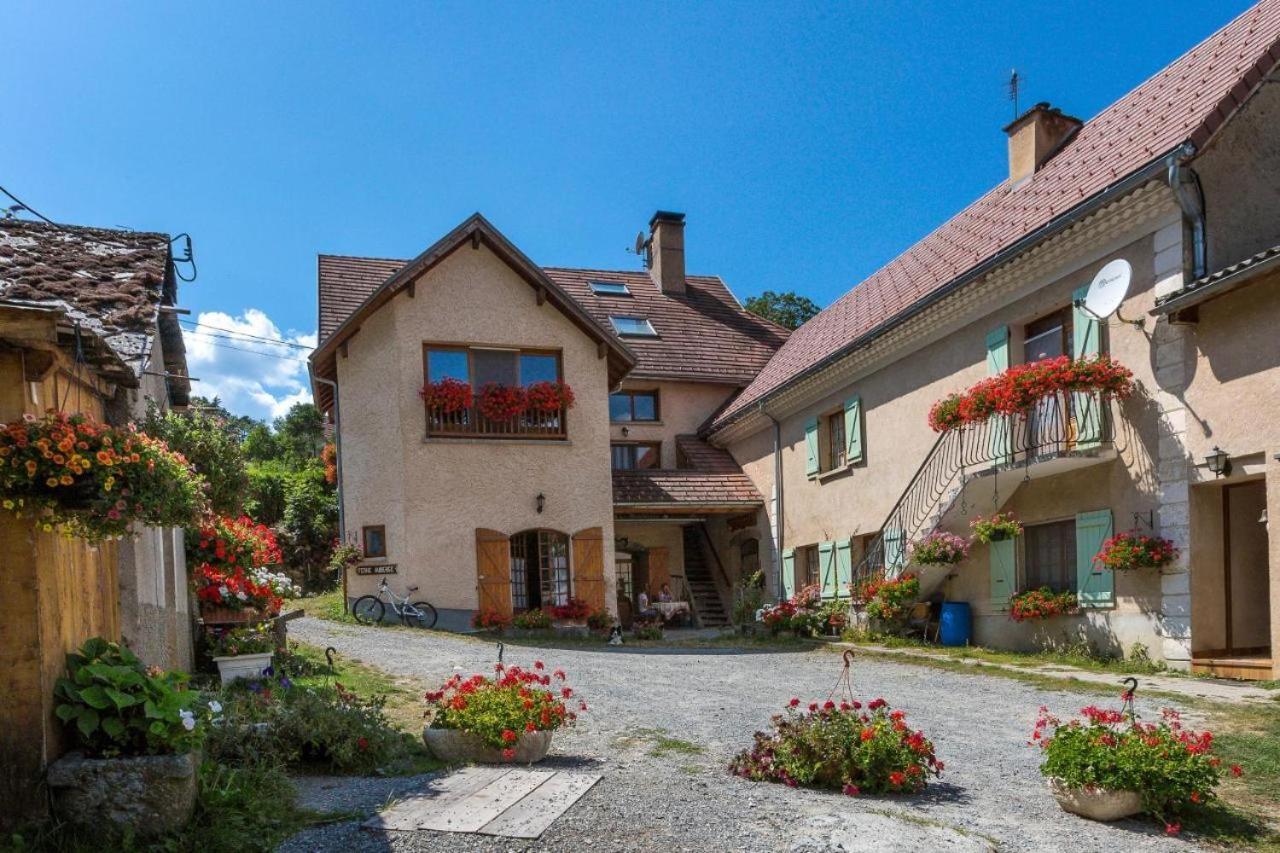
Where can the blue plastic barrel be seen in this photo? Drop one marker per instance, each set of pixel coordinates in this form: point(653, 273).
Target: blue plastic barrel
point(956, 623)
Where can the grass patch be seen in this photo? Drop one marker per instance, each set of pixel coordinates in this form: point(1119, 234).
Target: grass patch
point(659, 741)
point(327, 605)
point(1080, 656)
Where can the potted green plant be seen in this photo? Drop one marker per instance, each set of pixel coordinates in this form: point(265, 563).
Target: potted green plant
point(1109, 765)
point(1042, 603)
point(138, 732)
point(243, 652)
point(939, 548)
point(509, 718)
point(889, 600)
point(997, 528)
point(1133, 550)
point(571, 617)
point(529, 622)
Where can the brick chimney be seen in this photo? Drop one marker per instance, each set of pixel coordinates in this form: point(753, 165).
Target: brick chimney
point(666, 252)
point(1035, 136)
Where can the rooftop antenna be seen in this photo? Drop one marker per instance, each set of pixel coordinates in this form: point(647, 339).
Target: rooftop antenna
point(641, 247)
point(1015, 81)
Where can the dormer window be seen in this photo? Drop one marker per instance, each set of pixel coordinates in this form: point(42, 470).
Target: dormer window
point(633, 327)
point(609, 288)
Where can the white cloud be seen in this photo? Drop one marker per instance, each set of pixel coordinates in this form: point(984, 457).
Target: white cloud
point(234, 359)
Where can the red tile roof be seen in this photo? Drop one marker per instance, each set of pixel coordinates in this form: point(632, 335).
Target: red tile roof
point(1186, 102)
point(704, 335)
point(714, 480)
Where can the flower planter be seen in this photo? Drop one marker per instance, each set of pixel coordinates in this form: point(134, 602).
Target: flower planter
point(461, 747)
point(232, 668)
point(1096, 803)
point(227, 616)
point(152, 794)
point(998, 536)
point(571, 627)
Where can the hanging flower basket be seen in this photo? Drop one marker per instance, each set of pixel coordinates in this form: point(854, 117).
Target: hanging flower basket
point(93, 479)
point(501, 402)
point(446, 396)
point(1133, 550)
point(997, 528)
point(939, 549)
point(1019, 388)
point(1042, 603)
point(549, 397)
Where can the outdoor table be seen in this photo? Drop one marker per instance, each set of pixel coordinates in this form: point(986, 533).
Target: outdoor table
point(671, 610)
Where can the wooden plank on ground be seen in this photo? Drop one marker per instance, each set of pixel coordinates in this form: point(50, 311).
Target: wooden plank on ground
point(470, 813)
point(411, 813)
point(533, 814)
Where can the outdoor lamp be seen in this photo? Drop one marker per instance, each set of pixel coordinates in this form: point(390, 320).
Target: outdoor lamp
point(1218, 462)
point(542, 501)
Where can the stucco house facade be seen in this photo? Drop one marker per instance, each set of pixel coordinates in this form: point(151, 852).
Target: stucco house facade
point(499, 515)
point(1179, 179)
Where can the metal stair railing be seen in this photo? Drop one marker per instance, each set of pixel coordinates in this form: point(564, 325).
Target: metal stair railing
point(1051, 428)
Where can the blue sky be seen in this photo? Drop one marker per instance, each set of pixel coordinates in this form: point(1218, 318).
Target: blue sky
point(808, 143)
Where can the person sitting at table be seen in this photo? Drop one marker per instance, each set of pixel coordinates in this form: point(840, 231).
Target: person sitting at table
point(664, 594)
point(645, 611)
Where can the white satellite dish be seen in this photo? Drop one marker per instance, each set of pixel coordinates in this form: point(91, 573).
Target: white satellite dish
point(1108, 289)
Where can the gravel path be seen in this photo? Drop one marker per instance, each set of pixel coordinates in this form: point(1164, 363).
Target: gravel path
point(991, 794)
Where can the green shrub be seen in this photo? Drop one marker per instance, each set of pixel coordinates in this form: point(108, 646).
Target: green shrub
point(532, 620)
point(244, 641)
point(501, 709)
point(114, 706)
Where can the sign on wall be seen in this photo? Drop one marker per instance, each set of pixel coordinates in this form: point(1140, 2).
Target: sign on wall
point(378, 569)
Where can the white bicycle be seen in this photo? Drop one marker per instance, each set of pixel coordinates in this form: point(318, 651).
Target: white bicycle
point(370, 609)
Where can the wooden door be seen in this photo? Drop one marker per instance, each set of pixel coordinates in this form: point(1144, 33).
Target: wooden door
point(588, 567)
point(493, 571)
point(659, 570)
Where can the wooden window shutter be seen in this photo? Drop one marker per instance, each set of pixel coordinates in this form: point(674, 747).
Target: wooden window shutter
point(788, 572)
point(844, 567)
point(853, 429)
point(1004, 571)
point(811, 447)
point(827, 563)
point(1001, 425)
point(1086, 334)
point(588, 567)
point(1095, 586)
point(493, 571)
point(659, 569)
point(895, 550)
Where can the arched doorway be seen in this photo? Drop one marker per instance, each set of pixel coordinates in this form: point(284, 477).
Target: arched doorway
point(539, 569)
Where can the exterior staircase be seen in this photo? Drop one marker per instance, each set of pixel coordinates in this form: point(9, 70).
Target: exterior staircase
point(708, 606)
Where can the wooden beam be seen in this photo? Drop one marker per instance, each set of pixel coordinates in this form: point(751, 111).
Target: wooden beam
point(602, 349)
point(342, 349)
point(413, 286)
point(541, 294)
point(475, 239)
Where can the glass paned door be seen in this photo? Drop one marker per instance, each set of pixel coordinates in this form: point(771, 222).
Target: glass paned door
point(553, 563)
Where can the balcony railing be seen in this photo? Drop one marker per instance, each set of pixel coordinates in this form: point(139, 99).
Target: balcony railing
point(469, 422)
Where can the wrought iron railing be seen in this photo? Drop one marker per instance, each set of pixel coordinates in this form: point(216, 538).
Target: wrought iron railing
point(530, 423)
point(1059, 424)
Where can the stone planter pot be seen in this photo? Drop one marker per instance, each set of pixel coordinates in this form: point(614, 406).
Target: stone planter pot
point(152, 794)
point(1096, 803)
point(233, 667)
point(463, 747)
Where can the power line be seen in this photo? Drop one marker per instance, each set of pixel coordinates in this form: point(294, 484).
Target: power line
point(246, 335)
point(27, 207)
point(246, 349)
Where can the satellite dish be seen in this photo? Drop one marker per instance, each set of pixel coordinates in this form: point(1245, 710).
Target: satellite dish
point(1108, 289)
point(640, 243)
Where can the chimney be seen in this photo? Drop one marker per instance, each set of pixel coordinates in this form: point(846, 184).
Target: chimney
point(666, 252)
point(1035, 136)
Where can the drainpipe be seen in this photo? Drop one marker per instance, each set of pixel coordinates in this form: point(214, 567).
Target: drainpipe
point(337, 442)
point(1186, 189)
point(779, 517)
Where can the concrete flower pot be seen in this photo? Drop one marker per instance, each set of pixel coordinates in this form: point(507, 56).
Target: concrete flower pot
point(1096, 803)
point(233, 667)
point(153, 794)
point(458, 747)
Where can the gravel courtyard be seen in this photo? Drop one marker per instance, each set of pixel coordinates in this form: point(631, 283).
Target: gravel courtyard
point(991, 795)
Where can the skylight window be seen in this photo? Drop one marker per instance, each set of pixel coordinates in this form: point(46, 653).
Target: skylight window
point(633, 327)
point(609, 288)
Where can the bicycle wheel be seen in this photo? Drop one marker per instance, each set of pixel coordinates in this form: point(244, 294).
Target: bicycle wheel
point(367, 610)
point(425, 617)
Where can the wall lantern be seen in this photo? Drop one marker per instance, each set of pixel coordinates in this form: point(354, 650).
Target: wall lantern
point(1218, 462)
point(626, 431)
point(541, 501)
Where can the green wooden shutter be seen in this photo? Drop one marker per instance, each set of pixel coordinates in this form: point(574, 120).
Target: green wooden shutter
point(1001, 425)
point(1004, 571)
point(853, 429)
point(811, 445)
point(788, 572)
point(895, 550)
point(1095, 587)
point(1086, 333)
point(844, 567)
point(827, 562)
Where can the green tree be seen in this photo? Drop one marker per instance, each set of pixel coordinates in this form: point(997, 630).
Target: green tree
point(262, 445)
point(788, 308)
point(210, 444)
point(237, 426)
point(309, 526)
point(300, 433)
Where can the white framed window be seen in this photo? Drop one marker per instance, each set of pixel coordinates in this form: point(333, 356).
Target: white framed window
point(633, 327)
point(609, 288)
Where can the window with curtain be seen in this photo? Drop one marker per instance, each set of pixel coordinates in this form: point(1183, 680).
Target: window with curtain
point(1049, 556)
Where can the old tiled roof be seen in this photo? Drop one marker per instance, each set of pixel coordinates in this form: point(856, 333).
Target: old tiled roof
point(110, 282)
point(345, 282)
point(1220, 282)
point(713, 480)
point(1186, 102)
point(704, 335)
